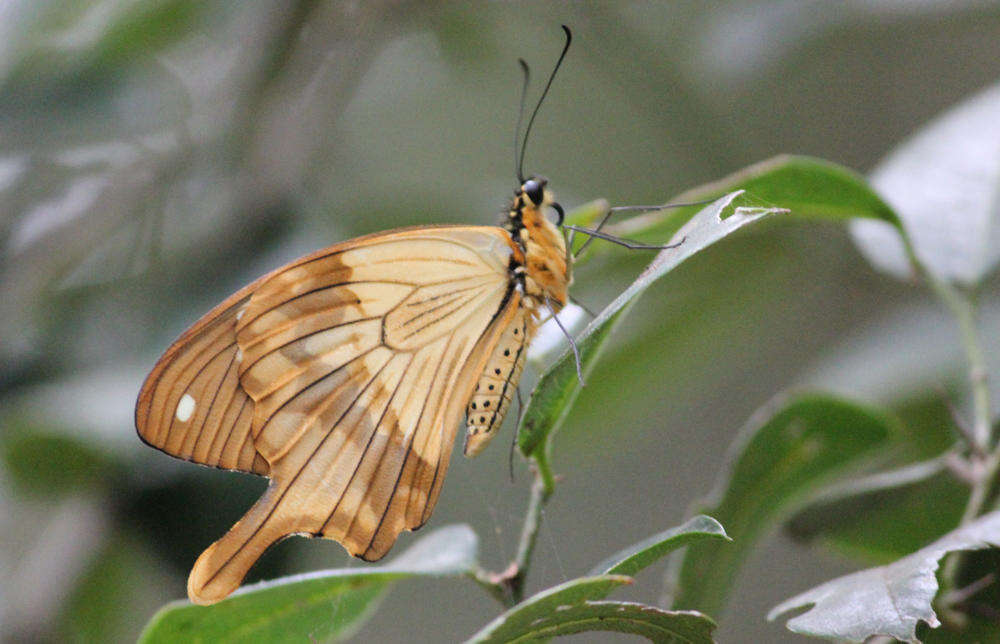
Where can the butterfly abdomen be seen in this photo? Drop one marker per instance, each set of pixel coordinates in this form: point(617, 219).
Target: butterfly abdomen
point(497, 384)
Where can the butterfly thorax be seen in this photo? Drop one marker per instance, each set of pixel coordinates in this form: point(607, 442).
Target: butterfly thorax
point(547, 269)
point(543, 274)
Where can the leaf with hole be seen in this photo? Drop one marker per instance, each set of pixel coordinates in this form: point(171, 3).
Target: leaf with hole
point(809, 187)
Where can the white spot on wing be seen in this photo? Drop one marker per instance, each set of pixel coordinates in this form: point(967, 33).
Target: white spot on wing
point(185, 408)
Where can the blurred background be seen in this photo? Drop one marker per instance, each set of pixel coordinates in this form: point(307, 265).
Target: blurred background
point(156, 155)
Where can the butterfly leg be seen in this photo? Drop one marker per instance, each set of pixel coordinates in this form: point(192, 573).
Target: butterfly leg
point(572, 343)
point(513, 441)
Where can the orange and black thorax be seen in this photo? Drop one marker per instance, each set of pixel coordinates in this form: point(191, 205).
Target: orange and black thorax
point(540, 277)
point(545, 271)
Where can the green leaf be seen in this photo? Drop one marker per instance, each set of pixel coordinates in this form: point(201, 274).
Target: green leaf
point(321, 606)
point(633, 559)
point(558, 387)
point(807, 186)
point(885, 516)
point(878, 364)
point(943, 182)
point(568, 608)
point(518, 621)
point(789, 451)
point(889, 600)
point(655, 624)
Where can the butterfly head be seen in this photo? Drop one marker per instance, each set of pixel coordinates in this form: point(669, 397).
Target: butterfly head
point(534, 204)
point(536, 194)
point(534, 212)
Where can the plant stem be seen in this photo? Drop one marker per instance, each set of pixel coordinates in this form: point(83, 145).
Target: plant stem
point(984, 451)
point(508, 586)
point(964, 310)
point(986, 468)
point(529, 535)
point(962, 306)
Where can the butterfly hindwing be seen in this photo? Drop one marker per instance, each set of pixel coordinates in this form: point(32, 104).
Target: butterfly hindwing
point(358, 361)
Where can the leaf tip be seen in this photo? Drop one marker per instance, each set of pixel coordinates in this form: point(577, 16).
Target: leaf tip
point(710, 526)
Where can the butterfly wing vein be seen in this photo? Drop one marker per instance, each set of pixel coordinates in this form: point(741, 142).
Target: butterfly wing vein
point(357, 362)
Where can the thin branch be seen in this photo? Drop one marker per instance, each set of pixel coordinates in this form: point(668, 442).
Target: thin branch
point(961, 305)
point(508, 586)
point(985, 469)
point(529, 535)
point(961, 424)
point(964, 311)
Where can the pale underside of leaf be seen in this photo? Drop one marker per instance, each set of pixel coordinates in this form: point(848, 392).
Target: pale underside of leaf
point(944, 183)
point(888, 600)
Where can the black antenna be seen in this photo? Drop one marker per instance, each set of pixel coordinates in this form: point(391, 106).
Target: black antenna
point(520, 117)
point(520, 163)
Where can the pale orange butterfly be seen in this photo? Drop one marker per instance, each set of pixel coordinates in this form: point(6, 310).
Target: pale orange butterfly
point(342, 376)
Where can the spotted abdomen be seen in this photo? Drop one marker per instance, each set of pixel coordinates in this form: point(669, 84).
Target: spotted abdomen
point(497, 384)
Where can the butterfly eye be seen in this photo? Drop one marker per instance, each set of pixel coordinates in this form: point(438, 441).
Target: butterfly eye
point(535, 191)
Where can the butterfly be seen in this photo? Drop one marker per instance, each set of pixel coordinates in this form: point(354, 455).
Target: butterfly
point(343, 376)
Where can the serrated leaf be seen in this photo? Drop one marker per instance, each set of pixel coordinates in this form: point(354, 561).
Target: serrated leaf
point(889, 600)
point(789, 450)
point(320, 606)
point(944, 182)
point(517, 622)
point(558, 387)
point(634, 558)
point(655, 624)
point(807, 186)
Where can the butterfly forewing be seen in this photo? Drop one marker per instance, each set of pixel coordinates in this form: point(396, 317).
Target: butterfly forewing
point(192, 406)
point(350, 369)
